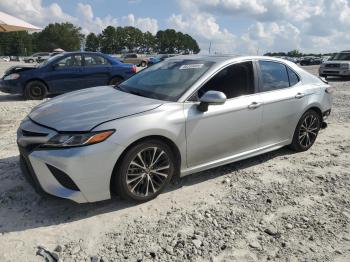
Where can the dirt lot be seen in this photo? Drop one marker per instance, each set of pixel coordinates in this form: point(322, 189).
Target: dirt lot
point(279, 206)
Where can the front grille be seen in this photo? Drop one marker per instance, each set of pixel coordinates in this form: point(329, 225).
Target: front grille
point(331, 72)
point(30, 133)
point(332, 65)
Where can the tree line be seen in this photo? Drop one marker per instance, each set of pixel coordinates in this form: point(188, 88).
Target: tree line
point(111, 40)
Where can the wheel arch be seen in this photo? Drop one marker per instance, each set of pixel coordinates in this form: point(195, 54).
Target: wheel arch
point(115, 75)
point(161, 138)
point(317, 109)
point(36, 79)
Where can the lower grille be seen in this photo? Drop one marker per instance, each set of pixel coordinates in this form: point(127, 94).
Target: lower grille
point(63, 178)
point(332, 65)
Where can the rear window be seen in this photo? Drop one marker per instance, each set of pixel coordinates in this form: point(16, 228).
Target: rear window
point(293, 77)
point(274, 76)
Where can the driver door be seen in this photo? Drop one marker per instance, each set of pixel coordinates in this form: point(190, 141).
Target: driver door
point(66, 75)
point(225, 130)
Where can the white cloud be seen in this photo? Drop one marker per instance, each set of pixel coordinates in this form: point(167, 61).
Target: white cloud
point(35, 12)
point(89, 22)
point(279, 25)
point(143, 23)
point(204, 29)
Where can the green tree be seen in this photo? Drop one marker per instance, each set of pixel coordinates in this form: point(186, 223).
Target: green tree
point(59, 35)
point(92, 42)
point(108, 40)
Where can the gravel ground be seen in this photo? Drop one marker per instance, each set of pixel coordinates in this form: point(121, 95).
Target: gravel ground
point(280, 206)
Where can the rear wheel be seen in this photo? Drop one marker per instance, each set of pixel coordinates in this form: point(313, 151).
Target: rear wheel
point(35, 90)
point(115, 80)
point(144, 171)
point(143, 63)
point(31, 60)
point(306, 131)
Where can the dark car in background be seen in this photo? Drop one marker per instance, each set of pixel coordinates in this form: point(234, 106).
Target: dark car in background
point(310, 60)
point(158, 58)
point(63, 73)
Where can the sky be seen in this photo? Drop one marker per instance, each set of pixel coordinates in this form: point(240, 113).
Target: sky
point(246, 27)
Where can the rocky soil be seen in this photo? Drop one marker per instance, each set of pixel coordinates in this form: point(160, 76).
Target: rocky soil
point(280, 206)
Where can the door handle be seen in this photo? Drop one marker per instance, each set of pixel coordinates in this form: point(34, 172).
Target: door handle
point(254, 105)
point(299, 95)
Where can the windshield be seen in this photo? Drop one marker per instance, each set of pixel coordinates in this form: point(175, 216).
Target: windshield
point(52, 58)
point(167, 80)
point(341, 57)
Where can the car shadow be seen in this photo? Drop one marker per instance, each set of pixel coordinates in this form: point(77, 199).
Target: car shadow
point(22, 208)
point(11, 98)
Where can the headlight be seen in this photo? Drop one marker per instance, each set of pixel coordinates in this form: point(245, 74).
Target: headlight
point(344, 66)
point(13, 76)
point(78, 139)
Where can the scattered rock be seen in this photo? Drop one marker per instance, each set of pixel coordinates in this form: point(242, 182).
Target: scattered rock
point(197, 243)
point(58, 248)
point(272, 231)
point(95, 259)
point(255, 244)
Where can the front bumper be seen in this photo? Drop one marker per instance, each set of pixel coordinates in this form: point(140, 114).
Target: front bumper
point(324, 71)
point(11, 86)
point(81, 174)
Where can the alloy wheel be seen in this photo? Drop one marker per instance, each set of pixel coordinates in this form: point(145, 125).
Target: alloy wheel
point(308, 130)
point(148, 171)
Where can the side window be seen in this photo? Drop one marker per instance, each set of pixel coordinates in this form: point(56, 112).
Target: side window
point(69, 61)
point(235, 80)
point(95, 60)
point(293, 77)
point(274, 76)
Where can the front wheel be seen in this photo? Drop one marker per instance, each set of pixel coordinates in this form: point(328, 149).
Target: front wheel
point(306, 131)
point(35, 90)
point(144, 171)
point(143, 63)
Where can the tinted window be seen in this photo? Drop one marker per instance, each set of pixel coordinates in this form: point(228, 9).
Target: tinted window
point(293, 77)
point(69, 61)
point(167, 80)
point(95, 60)
point(235, 80)
point(274, 76)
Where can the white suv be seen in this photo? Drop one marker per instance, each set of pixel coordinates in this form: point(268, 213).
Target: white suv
point(338, 65)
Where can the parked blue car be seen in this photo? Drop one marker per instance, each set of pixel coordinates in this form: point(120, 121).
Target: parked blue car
point(63, 73)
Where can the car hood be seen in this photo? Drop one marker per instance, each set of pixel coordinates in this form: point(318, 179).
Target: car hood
point(85, 109)
point(17, 69)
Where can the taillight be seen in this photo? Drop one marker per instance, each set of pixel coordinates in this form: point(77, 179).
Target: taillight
point(330, 89)
point(134, 69)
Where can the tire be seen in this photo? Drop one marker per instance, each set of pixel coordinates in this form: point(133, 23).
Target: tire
point(306, 132)
point(35, 90)
point(115, 80)
point(143, 63)
point(30, 61)
point(134, 180)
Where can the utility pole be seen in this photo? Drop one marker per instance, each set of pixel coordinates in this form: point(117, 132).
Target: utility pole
point(209, 47)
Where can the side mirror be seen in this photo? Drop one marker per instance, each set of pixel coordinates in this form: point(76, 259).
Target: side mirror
point(211, 98)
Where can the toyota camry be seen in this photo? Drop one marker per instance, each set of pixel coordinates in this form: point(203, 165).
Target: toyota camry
point(180, 116)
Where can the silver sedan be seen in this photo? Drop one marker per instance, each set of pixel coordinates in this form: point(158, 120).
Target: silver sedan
point(183, 115)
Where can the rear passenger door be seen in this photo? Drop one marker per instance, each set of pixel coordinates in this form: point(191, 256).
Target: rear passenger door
point(283, 97)
point(96, 70)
